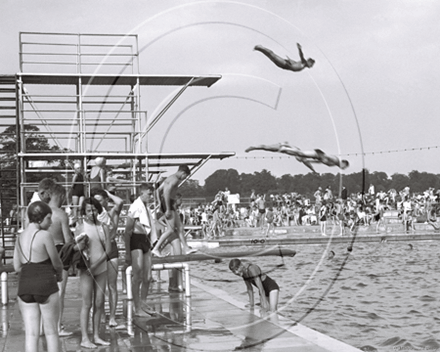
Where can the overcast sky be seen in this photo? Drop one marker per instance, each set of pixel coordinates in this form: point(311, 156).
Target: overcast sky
point(383, 53)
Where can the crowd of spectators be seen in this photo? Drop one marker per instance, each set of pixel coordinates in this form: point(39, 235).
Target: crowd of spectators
point(293, 209)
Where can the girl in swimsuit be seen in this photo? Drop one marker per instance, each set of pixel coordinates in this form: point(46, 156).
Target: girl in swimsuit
point(93, 275)
point(252, 275)
point(77, 190)
point(40, 268)
point(98, 174)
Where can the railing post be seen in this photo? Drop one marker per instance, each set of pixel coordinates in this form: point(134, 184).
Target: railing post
point(4, 279)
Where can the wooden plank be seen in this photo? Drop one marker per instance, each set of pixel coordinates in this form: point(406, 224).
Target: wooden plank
point(285, 252)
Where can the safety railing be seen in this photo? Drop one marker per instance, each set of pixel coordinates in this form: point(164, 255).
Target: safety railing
point(78, 53)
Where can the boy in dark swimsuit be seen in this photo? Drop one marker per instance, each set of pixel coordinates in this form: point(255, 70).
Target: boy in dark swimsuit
point(252, 275)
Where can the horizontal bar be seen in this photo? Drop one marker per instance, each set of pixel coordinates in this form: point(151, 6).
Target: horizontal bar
point(40, 43)
point(76, 54)
point(125, 155)
point(90, 134)
point(110, 45)
point(80, 34)
point(51, 54)
point(76, 63)
point(283, 252)
point(49, 63)
point(87, 111)
point(71, 95)
point(69, 102)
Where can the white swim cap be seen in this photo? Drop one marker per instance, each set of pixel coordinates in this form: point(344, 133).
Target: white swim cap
point(100, 161)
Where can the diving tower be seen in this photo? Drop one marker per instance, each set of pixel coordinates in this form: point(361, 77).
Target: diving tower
point(79, 96)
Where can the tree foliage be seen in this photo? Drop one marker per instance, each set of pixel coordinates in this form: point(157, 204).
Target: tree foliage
point(264, 182)
point(34, 143)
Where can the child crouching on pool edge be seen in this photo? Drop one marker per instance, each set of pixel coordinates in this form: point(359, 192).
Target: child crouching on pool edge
point(252, 275)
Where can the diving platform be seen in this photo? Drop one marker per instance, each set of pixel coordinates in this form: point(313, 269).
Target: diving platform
point(115, 79)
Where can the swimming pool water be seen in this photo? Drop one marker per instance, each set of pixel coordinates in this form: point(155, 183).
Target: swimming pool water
point(386, 297)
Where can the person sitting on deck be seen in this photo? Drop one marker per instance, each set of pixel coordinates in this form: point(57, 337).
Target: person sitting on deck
point(288, 63)
point(252, 275)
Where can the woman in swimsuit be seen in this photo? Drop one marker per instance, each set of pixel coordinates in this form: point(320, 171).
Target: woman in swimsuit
point(40, 268)
point(252, 275)
point(110, 216)
point(98, 174)
point(93, 270)
point(77, 190)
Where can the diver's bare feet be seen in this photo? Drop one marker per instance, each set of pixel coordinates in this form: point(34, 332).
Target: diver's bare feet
point(87, 344)
point(143, 314)
point(112, 322)
point(190, 250)
point(101, 342)
point(156, 253)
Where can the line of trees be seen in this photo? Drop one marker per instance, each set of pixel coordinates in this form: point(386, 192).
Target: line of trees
point(262, 181)
point(266, 183)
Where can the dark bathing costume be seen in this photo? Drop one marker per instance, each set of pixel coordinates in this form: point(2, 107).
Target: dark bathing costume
point(37, 280)
point(268, 283)
point(94, 181)
point(59, 247)
point(114, 252)
point(78, 187)
point(163, 205)
point(140, 241)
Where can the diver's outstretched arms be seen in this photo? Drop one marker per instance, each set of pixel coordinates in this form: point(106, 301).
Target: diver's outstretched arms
point(307, 163)
point(307, 63)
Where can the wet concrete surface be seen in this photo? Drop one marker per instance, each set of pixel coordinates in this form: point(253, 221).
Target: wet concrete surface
point(209, 320)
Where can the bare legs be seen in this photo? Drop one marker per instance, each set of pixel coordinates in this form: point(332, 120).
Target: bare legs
point(112, 277)
point(76, 204)
point(175, 275)
point(277, 60)
point(268, 147)
point(93, 294)
point(273, 300)
point(49, 312)
point(62, 286)
point(323, 227)
point(141, 263)
point(173, 224)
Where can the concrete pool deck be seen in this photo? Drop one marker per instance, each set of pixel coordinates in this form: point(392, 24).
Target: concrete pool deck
point(209, 320)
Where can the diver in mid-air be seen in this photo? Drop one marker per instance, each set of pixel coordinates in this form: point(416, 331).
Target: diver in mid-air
point(288, 63)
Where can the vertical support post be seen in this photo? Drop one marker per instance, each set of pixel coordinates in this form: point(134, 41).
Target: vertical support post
point(20, 147)
point(78, 50)
point(130, 330)
point(188, 323)
point(4, 284)
point(187, 280)
point(129, 281)
point(81, 117)
point(5, 322)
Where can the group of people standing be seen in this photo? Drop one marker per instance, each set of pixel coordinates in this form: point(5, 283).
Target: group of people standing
point(47, 248)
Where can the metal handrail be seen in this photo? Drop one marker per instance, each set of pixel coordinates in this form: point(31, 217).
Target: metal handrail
point(30, 53)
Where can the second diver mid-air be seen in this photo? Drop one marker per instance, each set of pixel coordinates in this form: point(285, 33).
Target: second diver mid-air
point(305, 157)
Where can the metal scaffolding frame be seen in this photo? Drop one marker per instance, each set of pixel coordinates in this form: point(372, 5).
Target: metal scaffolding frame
point(55, 101)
